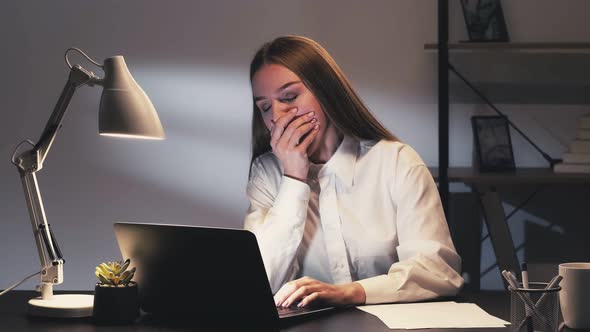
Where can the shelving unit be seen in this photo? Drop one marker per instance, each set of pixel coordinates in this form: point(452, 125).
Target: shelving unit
point(544, 47)
point(484, 184)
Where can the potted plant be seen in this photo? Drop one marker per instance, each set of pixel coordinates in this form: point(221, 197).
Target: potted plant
point(116, 300)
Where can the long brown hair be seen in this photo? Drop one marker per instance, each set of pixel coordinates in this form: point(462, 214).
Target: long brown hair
point(322, 76)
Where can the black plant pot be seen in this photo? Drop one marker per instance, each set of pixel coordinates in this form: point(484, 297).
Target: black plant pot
point(116, 305)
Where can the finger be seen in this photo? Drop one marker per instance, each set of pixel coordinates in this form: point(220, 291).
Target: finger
point(300, 120)
point(287, 289)
point(275, 134)
point(280, 296)
point(307, 141)
point(281, 124)
point(300, 293)
point(300, 132)
point(284, 292)
point(279, 127)
point(309, 299)
point(295, 124)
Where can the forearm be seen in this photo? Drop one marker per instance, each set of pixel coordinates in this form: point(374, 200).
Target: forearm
point(278, 240)
point(421, 277)
point(279, 229)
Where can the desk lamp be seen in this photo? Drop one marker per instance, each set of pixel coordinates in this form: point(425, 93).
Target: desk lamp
point(125, 110)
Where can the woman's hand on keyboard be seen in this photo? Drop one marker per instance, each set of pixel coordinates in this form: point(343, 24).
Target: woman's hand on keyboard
point(308, 290)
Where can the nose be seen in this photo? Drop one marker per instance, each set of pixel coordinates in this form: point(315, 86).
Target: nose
point(278, 110)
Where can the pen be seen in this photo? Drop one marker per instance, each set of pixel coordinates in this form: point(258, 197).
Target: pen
point(509, 279)
point(552, 284)
point(514, 279)
point(525, 285)
point(525, 275)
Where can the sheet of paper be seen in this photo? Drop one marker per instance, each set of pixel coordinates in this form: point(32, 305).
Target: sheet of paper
point(433, 315)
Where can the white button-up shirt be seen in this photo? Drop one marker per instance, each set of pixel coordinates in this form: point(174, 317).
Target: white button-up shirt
point(371, 214)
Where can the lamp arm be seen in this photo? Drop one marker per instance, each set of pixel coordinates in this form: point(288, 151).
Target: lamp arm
point(78, 77)
point(28, 164)
point(50, 256)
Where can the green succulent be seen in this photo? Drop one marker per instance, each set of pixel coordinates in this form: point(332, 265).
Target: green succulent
point(114, 273)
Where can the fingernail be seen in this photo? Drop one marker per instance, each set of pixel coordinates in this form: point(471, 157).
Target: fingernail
point(300, 305)
point(310, 114)
point(294, 110)
point(314, 120)
point(316, 126)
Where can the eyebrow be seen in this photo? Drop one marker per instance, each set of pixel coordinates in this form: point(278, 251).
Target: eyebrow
point(283, 87)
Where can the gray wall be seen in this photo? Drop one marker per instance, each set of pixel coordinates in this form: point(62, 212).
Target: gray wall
point(191, 57)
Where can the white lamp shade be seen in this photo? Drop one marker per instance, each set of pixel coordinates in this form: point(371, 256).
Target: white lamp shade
point(125, 109)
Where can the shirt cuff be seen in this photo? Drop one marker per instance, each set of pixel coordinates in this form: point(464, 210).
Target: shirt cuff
point(292, 198)
point(379, 289)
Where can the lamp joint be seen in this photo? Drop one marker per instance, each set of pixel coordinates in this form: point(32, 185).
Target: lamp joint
point(29, 161)
point(80, 76)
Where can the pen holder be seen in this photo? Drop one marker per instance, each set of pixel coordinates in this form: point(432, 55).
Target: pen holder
point(538, 304)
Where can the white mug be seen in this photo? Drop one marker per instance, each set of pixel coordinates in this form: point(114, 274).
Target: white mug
point(574, 296)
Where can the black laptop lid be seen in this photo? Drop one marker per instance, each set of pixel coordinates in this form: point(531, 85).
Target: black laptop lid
point(199, 273)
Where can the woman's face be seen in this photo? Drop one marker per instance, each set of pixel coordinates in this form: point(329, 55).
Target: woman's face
point(277, 90)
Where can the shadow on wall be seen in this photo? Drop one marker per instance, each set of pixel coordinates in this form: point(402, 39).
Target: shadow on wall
point(548, 230)
point(563, 236)
point(82, 209)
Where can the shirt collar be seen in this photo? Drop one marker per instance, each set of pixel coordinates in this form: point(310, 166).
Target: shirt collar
point(343, 161)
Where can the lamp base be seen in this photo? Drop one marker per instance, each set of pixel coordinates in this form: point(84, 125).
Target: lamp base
point(62, 306)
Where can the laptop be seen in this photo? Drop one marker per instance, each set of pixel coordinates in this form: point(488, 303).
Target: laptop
point(201, 273)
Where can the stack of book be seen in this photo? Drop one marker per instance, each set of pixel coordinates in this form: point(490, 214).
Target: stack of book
point(577, 159)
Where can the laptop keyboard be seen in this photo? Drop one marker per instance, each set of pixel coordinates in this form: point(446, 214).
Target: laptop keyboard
point(291, 310)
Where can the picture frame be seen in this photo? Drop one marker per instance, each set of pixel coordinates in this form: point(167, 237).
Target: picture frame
point(484, 20)
point(493, 144)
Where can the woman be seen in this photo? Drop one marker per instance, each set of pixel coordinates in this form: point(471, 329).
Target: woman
point(344, 213)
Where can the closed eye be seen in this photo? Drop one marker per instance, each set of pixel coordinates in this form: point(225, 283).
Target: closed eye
point(290, 99)
point(264, 107)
